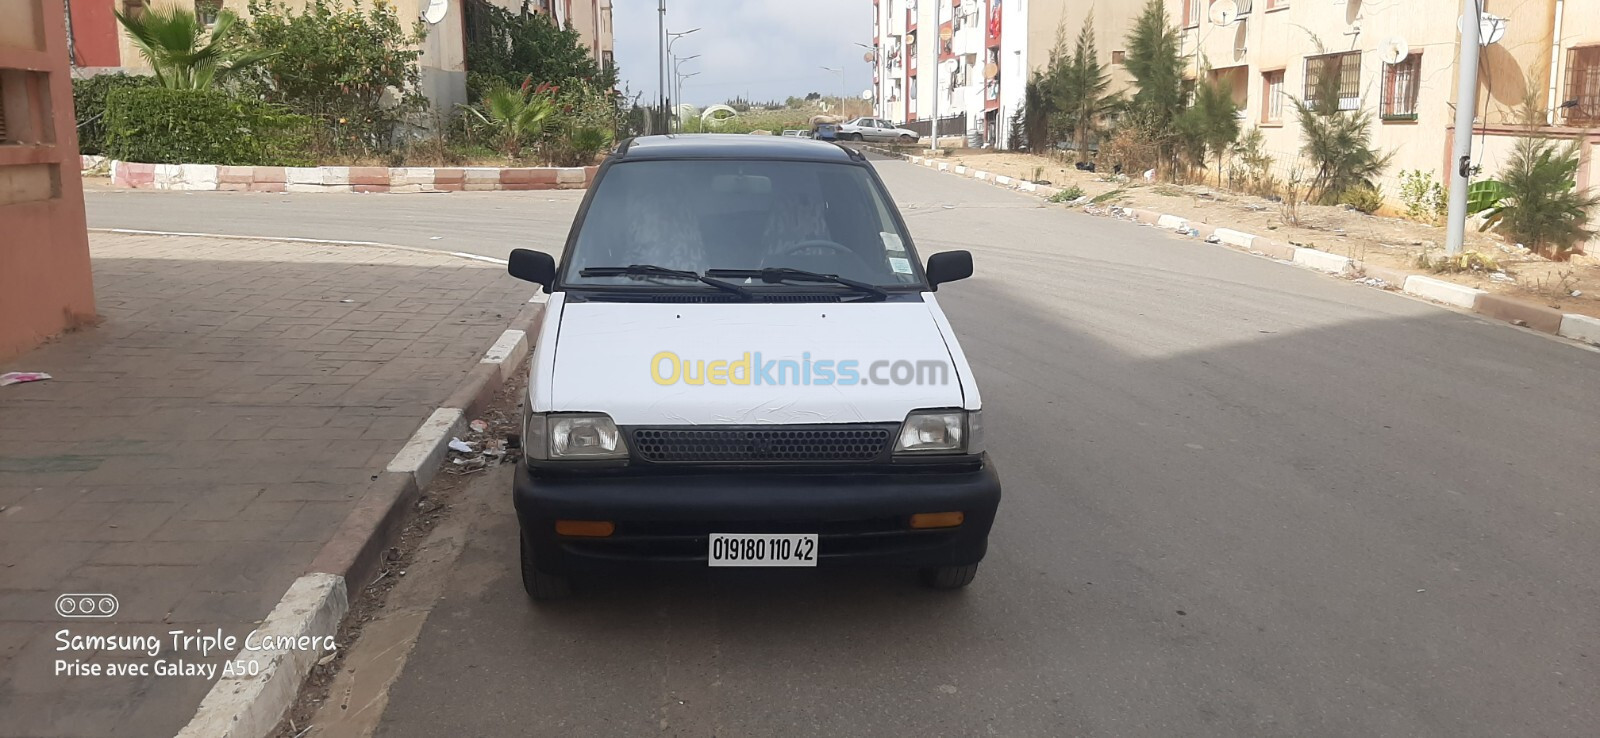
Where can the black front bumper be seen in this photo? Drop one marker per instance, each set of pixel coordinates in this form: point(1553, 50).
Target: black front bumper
point(860, 518)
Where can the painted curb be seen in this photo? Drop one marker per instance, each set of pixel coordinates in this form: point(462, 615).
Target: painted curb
point(211, 177)
point(1323, 261)
point(1439, 290)
point(1580, 328)
point(315, 605)
point(1537, 317)
point(250, 706)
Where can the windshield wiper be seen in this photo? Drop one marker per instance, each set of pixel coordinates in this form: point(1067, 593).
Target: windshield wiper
point(651, 270)
point(777, 275)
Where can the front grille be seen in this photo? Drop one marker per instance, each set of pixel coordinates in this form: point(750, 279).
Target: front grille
point(793, 445)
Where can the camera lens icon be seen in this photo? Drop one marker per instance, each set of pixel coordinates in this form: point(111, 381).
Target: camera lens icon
point(87, 605)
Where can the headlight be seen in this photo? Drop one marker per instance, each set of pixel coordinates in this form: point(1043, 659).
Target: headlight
point(940, 432)
point(571, 436)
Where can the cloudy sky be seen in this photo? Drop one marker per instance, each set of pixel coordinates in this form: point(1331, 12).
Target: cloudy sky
point(763, 49)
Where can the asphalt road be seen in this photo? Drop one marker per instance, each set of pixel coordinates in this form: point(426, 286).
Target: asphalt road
point(1241, 499)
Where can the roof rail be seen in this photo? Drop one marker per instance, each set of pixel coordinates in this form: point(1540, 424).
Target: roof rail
point(622, 148)
point(854, 154)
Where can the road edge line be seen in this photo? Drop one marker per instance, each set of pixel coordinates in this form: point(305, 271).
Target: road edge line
point(306, 241)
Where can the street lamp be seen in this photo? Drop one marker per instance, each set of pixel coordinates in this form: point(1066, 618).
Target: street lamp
point(873, 49)
point(678, 78)
point(840, 72)
point(666, 82)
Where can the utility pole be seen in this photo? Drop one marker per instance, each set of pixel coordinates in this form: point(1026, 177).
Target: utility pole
point(661, 59)
point(1466, 107)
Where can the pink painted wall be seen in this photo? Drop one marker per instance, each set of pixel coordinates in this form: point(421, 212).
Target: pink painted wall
point(45, 282)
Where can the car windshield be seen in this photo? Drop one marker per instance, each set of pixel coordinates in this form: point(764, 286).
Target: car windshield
point(741, 214)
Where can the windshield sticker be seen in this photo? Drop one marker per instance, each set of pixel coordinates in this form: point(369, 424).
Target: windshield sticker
point(899, 265)
point(892, 243)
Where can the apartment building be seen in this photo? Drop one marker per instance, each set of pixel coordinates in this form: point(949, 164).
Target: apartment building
point(1395, 59)
point(1398, 61)
point(940, 58)
point(99, 43)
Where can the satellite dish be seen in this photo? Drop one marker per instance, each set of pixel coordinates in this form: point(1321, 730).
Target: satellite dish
point(867, 57)
point(436, 11)
point(866, 94)
point(1224, 12)
point(1394, 50)
point(1491, 28)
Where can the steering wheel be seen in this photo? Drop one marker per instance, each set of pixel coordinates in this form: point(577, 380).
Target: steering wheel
point(837, 248)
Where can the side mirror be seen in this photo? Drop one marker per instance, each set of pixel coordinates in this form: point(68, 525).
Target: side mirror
point(539, 267)
point(947, 266)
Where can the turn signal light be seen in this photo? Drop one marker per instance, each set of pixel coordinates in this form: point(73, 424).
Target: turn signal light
point(585, 528)
point(938, 520)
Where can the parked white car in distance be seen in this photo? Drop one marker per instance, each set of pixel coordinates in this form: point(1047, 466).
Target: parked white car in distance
point(875, 129)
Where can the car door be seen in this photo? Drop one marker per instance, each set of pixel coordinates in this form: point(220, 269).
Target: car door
point(881, 131)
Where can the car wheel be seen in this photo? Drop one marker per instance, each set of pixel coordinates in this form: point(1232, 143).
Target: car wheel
point(949, 577)
point(906, 138)
point(856, 137)
point(541, 587)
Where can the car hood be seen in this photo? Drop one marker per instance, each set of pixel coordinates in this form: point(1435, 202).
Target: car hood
point(654, 364)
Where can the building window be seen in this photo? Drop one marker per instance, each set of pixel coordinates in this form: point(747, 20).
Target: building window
point(1119, 57)
point(1272, 96)
point(133, 8)
point(206, 11)
point(1243, 6)
point(1400, 88)
point(1582, 102)
point(1345, 67)
point(1191, 13)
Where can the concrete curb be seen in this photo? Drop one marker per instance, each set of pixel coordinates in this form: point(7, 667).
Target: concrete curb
point(1576, 327)
point(312, 241)
point(212, 177)
point(315, 605)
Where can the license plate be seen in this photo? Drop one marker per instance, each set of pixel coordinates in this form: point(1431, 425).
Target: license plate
point(763, 549)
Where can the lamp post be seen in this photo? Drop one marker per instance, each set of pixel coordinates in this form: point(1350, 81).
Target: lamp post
point(875, 70)
point(1466, 111)
point(840, 72)
point(666, 82)
point(661, 58)
point(677, 88)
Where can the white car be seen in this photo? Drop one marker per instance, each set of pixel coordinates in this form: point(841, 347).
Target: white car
point(742, 364)
point(875, 129)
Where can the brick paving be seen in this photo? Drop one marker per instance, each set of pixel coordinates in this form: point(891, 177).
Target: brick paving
point(197, 449)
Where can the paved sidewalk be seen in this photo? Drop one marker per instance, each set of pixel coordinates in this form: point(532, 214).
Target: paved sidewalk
point(197, 449)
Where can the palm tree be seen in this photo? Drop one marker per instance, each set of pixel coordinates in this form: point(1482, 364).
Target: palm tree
point(182, 53)
point(514, 116)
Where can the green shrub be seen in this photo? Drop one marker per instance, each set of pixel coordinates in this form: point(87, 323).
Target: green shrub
point(1365, 198)
point(1422, 195)
point(1067, 194)
point(508, 47)
point(353, 68)
point(166, 126)
point(1538, 202)
point(89, 100)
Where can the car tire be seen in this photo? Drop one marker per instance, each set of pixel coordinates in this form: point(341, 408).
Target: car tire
point(906, 138)
point(541, 586)
point(948, 577)
point(856, 137)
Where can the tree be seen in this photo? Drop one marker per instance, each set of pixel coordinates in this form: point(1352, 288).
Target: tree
point(1211, 125)
point(1157, 69)
point(182, 54)
point(1536, 200)
point(1337, 142)
point(505, 47)
point(1082, 95)
point(353, 68)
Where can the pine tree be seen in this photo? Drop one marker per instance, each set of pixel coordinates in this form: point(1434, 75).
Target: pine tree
point(1152, 58)
point(1083, 99)
point(1211, 124)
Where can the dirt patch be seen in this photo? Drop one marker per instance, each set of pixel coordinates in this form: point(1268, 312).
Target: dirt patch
point(501, 430)
point(1379, 240)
